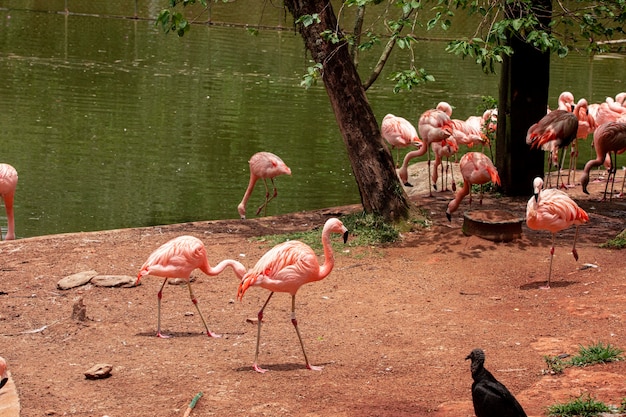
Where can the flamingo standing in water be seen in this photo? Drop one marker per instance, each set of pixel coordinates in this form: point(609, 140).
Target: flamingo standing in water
point(285, 268)
point(8, 183)
point(4, 378)
point(476, 168)
point(434, 126)
point(609, 138)
point(399, 133)
point(178, 258)
point(553, 210)
point(554, 131)
point(263, 165)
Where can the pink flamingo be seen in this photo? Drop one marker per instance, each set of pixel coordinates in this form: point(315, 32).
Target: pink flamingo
point(554, 131)
point(263, 165)
point(609, 138)
point(8, 183)
point(399, 133)
point(4, 378)
point(441, 151)
point(566, 101)
point(285, 268)
point(434, 126)
point(476, 168)
point(586, 126)
point(178, 258)
point(553, 210)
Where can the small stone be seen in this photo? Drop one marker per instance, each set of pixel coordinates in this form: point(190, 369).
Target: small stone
point(76, 280)
point(125, 281)
point(79, 310)
point(99, 371)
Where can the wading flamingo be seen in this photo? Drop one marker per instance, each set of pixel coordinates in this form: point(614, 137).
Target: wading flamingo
point(554, 131)
point(476, 168)
point(4, 378)
point(263, 165)
point(399, 133)
point(285, 268)
point(553, 210)
point(609, 138)
point(434, 126)
point(489, 396)
point(8, 183)
point(178, 258)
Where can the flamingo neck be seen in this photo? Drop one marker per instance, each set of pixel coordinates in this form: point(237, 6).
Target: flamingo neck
point(329, 256)
point(238, 268)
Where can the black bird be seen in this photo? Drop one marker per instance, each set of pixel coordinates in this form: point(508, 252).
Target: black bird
point(490, 397)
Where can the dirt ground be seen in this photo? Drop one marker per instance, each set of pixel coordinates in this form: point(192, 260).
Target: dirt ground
point(391, 325)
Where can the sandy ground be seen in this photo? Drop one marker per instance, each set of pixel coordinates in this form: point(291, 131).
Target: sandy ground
point(391, 325)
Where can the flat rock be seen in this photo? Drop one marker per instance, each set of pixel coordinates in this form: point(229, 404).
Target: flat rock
point(99, 371)
point(125, 281)
point(76, 280)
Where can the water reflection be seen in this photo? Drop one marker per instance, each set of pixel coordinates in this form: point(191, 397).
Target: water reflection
point(112, 124)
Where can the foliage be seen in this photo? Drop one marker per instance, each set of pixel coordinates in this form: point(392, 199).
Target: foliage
point(364, 230)
point(619, 242)
point(582, 406)
point(593, 354)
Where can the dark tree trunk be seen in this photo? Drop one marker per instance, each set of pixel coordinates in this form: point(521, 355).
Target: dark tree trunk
point(523, 101)
point(372, 163)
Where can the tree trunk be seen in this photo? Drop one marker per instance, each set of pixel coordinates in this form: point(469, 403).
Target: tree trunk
point(372, 163)
point(523, 101)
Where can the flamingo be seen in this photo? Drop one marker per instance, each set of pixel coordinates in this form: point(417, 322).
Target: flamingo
point(263, 165)
point(441, 151)
point(476, 168)
point(178, 258)
point(609, 138)
point(586, 126)
point(553, 210)
point(399, 133)
point(434, 126)
point(4, 378)
point(285, 268)
point(554, 131)
point(8, 183)
point(566, 101)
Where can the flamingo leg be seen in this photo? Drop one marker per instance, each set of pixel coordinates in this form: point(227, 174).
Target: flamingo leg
point(258, 336)
point(294, 321)
point(547, 286)
point(574, 251)
point(614, 169)
point(268, 198)
point(159, 296)
point(195, 303)
point(430, 186)
point(452, 174)
point(559, 181)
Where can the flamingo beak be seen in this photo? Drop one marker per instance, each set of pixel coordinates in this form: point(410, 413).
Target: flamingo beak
point(345, 236)
point(3, 381)
point(536, 197)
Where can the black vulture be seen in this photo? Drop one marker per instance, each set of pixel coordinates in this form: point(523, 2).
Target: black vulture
point(490, 397)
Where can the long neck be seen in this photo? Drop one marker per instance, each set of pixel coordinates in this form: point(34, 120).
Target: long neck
point(246, 196)
point(238, 268)
point(329, 257)
point(454, 204)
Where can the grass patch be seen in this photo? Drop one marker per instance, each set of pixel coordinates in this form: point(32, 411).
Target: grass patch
point(590, 355)
point(584, 406)
point(618, 242)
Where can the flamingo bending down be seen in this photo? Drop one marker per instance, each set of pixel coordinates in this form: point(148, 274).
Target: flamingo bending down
point(434, 126)
point(4, 378)
point(399, 133)
point(441, 151)
point(553, 210)
point(476, 168)
point(263, 165)
point(554, 131)
point(8, 183)
point(285, 268)
point(178, 258)
point(609, 138)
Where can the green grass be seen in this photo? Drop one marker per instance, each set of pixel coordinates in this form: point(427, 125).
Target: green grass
point(619, 242)
point(590, 355)
point(584, 406)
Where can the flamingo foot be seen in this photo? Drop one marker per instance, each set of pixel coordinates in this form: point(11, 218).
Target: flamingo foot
point(211, 334)
point(314, 368)
point(575, 253)
point(259, 369)
point(163, 336)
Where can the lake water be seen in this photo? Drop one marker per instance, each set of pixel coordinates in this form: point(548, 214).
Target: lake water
point(112, 124)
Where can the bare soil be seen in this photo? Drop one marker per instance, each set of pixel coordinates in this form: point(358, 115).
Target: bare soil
point(391, 325)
